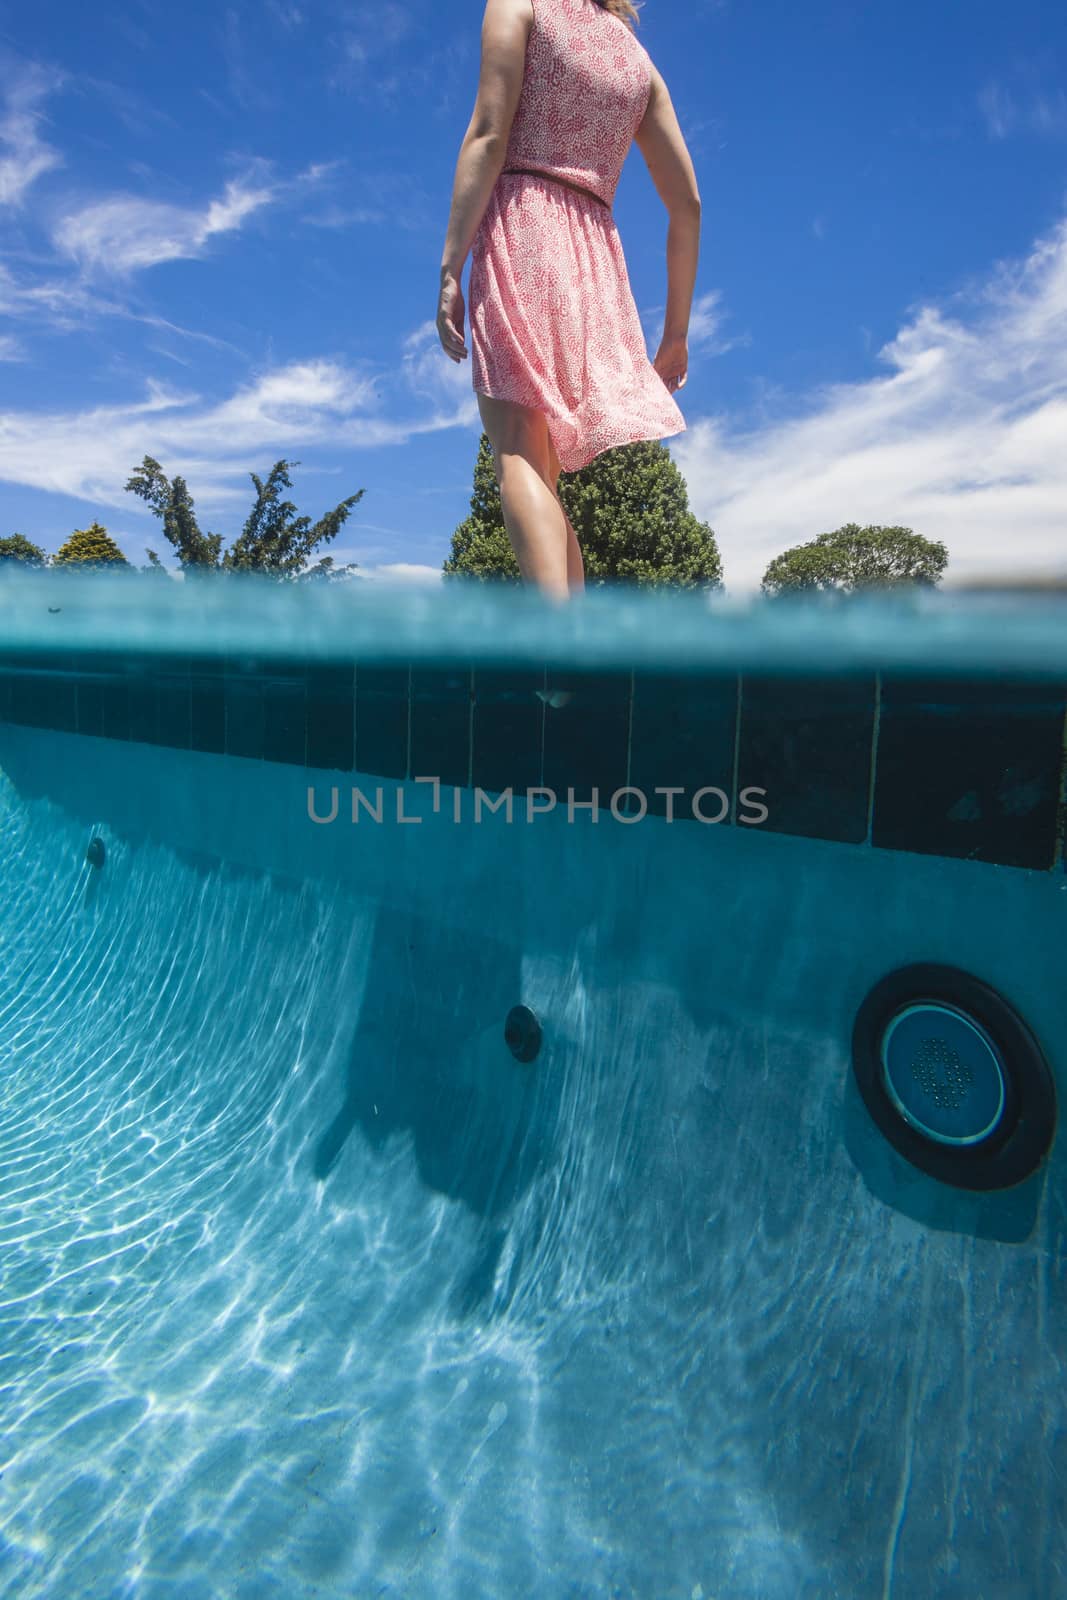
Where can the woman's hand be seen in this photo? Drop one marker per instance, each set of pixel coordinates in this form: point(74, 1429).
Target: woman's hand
point(450, 312)
point(672, 363)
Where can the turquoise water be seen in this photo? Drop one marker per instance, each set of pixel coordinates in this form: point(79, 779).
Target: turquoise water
point(308, 1288)
point(963, 632)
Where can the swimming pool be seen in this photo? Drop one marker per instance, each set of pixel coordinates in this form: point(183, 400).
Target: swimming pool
point(309, 1286)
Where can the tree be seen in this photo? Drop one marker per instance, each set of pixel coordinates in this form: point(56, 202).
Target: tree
point(853, 558)
point(629, 508)
point(274, 539)
point(16, 547)
point(173, 504)
point(90, 547)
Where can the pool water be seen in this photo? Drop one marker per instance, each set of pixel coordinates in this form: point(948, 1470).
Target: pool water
point(308, 1287)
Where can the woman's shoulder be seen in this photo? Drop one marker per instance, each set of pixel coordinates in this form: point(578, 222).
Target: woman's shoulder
point(511, 9)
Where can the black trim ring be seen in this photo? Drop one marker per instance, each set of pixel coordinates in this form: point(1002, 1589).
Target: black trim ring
point(1022, 1133)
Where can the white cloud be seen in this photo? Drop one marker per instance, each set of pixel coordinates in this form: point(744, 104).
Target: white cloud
point(705, 323)
point(10, 349)
point(124, 233)
point(431, 373)
point(962, 439)
point(89, 454)
point(406, 573)
point(24, 155)
point(705, 326)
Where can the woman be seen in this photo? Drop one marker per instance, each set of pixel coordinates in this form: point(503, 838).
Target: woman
point(559, 365)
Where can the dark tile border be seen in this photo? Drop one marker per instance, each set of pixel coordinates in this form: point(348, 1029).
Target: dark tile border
point(974, 770)
point(970, 770)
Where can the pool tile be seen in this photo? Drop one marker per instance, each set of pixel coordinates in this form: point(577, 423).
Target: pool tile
point(207, 708)
point(683, 736)
point(103, 693)
point(284, 714)
point(970, 770)
point(174, 702)
point(508, 729)
point(143, 702)
point(807, 743)
point(245, 714)
point(331, 717)
point(382, 711)
point(586, 744)
point(42, 692)
point(92, 671)
point(441, 724)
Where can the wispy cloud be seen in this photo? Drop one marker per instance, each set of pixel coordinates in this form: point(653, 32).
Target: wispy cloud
point(10, 349)
point(138, 112)
point(288, 17)
point(123, 234)
point(429, 372)
point(962, 438)
point(318, 404)
point(126, 233)
point(705, 326)
point(372, 31)
point(61, 305)
point(66, 305)
point(24, 154)
point(373, 55)
point(1032, 111)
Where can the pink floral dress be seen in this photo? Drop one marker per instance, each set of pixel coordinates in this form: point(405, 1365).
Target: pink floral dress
point(553, 323)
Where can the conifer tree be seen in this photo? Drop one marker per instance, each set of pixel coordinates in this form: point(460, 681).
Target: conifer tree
point(629, 508)
point(90, 547)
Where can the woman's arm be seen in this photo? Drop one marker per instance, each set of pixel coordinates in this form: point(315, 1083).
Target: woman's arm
point(505, 30)
point(661, 142)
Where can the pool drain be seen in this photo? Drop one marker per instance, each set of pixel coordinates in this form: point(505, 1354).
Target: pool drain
point(954, 1078)
point(522, 1034)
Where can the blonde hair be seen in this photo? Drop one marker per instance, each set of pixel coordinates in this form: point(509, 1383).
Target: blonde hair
point(626, 9)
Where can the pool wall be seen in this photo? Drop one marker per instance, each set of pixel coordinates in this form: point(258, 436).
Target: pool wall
point(958, 767)
point(745, 924)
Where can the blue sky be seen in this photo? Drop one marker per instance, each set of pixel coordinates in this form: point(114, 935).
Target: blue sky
point(221, 229)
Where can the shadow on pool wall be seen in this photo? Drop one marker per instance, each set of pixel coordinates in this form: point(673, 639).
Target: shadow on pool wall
point(427, 1059)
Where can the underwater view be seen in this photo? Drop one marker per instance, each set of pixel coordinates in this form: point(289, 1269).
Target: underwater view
point(418, 1202)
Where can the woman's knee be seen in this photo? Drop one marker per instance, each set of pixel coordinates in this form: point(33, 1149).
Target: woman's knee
point(518, 433)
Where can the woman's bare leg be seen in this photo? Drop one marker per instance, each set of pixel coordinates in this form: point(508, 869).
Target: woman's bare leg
point(535, 519)
point(575, 564)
